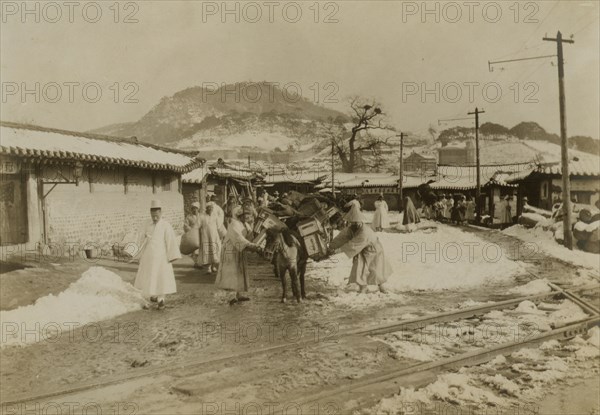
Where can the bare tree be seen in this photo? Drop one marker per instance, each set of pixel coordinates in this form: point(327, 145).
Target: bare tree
point(432, 131)
point(350, 144)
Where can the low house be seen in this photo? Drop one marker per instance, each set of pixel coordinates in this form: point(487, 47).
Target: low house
point(370, 185)
point(302, 181)
point(221, 180)
point(452, 179)
point(68, 189)
point(420, 164)
point(457, 153)
point(542, 185)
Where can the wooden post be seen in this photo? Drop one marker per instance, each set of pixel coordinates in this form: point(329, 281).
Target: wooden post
point(566, 184)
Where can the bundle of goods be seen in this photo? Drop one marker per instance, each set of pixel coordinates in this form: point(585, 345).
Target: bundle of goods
point(265, 220)
point(315, 238)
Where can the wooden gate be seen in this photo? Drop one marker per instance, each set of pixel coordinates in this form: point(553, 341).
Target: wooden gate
point(13, 209)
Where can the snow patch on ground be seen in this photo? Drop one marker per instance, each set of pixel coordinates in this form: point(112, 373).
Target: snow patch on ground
point(506, 383)
point(436, 341)
point(544, 241)
point(98, 295)
point(532, 287)
point(447, 259)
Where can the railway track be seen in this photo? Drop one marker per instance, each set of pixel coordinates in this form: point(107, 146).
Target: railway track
point(404, 375)
point(419, 375)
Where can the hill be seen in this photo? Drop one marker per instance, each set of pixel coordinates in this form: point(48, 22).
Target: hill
point(523, 131)
point(254, 115)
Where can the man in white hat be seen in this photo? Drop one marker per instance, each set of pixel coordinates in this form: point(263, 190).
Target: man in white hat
point(359, 242)
point(191, 220)
point(211, 233)
point(381, 219)
point(158, 249)
point(217, 210)
point(233, 268)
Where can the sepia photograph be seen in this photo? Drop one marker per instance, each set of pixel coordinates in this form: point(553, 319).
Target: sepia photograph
point(312, 207)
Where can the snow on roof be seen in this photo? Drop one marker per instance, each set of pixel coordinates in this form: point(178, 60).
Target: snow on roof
point(506, 178)
point(300, 176)
point(197, 175)
point(578, 166)
point(465, 177)
point(36, 142)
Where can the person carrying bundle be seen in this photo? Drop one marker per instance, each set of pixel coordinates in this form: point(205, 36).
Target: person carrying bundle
point(370, 266)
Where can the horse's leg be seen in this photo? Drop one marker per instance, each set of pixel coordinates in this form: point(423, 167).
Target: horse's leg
point(294, 277)
point(280, 272)
point(301, 272)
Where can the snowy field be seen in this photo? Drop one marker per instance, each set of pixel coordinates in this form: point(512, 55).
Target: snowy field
point(98, 295)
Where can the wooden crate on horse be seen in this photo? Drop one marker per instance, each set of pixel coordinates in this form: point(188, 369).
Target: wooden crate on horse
point(315, 237)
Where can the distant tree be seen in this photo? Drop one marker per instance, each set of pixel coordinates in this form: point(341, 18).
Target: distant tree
point(432, 132)
point(489, 128)
point(456, 133)
point(277, 150)
point(349, 144)
point(586, 144)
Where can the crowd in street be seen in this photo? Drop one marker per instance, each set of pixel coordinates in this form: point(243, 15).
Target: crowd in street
point(226, 236)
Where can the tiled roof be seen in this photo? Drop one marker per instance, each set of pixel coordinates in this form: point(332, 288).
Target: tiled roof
point(588, 165)
point(40, 143)
point(465, 177)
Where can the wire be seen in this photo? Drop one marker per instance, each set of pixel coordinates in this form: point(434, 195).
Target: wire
point(585, 27)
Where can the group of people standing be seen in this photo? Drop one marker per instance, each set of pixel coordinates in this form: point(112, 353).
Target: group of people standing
point(456, 209)
point(225, 236)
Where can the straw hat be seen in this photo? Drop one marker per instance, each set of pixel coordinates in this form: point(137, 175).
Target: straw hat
point(155, 204)
point(196, 205)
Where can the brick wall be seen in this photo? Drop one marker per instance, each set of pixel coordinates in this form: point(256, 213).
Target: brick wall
point(99, 211)
point(191, 194)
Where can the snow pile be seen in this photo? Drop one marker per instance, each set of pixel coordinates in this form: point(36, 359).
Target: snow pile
point(502, 385)
point(544, 241)
point(532, 287)
point(98, 295)
point(448, 259)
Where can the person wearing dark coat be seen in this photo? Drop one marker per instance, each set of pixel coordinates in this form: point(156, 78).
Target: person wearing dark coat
point(410, 216)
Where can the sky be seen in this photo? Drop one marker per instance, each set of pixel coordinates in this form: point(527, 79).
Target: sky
point(83, 65)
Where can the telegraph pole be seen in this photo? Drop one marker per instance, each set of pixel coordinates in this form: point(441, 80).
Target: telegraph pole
point(564, 151)
point(332, 169)
point(477, 162)
point(401, 171)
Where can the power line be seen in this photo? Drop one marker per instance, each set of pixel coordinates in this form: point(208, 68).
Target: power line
point(585, 27)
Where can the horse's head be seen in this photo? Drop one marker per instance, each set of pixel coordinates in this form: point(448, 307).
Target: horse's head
point(274, 239)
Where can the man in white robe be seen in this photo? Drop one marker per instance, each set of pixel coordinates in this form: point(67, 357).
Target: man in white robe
point(211, 232)
point(233, 268)
point(158, 249)
point(381, 218)
point(217, 210)
point(370, 266)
